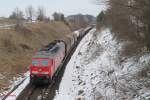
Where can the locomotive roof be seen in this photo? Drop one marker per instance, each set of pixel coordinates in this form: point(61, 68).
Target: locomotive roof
point(49, 51)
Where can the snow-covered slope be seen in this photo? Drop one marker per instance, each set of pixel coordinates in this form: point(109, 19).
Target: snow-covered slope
point(97, 72)
point(25, 81)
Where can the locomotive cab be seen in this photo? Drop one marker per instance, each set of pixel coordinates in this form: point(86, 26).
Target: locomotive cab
point(40, 69)
point(46, 62)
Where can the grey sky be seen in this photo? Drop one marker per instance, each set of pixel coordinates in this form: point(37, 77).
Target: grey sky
point(67, 7)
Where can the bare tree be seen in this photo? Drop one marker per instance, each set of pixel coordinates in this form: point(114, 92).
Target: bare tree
point(41, 13)
point(129, 20)
point(58, 16)
point(30, 12)
point(99, 20)
point(17, 14)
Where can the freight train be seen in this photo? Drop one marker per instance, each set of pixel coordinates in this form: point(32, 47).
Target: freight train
point(47, 61)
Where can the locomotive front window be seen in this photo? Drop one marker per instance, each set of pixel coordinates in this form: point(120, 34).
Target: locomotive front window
point(35, 63)
point(44, 62)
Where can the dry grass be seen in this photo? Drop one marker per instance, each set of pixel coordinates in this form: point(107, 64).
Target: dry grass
point(7, 21)
point(18, 46)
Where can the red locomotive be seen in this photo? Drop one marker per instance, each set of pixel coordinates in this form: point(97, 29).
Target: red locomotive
point(48, 60)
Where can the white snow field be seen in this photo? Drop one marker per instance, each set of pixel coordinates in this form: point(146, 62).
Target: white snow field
point(97, 72)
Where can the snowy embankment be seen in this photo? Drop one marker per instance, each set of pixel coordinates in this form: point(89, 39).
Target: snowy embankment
point(18, 89)
point(97, 72)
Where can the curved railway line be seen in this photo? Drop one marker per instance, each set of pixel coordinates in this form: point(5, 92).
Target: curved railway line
point(47, 92)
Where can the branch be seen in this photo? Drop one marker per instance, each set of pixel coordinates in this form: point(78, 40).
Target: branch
point(128, 6)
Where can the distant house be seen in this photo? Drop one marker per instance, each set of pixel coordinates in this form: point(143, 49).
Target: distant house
point(31, 20)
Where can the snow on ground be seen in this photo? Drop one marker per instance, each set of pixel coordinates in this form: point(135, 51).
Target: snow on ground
point(68, 89)
point(97, 72)
point(19, 89)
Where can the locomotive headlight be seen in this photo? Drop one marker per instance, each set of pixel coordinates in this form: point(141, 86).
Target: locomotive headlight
point(45, 73)
point(34, 72)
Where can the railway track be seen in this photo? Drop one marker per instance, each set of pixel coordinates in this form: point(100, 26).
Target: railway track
point(47, 92)
point(8, 94)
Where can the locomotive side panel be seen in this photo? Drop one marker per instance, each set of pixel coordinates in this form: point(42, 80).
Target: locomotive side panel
point(59, 56)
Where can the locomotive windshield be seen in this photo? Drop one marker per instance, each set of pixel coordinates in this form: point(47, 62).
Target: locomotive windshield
point(35, 63)
point(40, 63)
point(44, 62)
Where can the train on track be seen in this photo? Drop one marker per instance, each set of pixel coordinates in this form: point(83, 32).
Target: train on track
point(47, 61)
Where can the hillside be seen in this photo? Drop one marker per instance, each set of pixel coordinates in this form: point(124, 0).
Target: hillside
point(96, 71)
point(18, 45)
point(7, 21)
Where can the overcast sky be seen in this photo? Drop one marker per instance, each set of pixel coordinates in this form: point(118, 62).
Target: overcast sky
point(67, 7)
